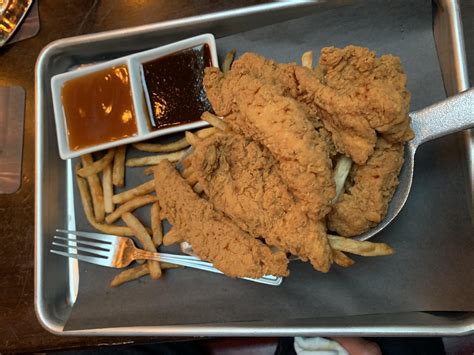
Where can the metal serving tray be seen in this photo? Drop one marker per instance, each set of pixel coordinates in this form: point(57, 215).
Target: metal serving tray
point(56, 279)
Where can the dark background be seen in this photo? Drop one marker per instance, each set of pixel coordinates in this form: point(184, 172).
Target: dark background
point(19, 329)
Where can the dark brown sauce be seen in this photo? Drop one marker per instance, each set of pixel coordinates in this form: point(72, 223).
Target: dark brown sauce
point(174, 84)
point(98, 108)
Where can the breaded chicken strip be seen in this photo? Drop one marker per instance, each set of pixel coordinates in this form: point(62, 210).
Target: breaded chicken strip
point(241, 179)
point(358, 95)
point(279, 74)
point(214, 237)
point(260, 112)
point(354, 94)
point(365, 203)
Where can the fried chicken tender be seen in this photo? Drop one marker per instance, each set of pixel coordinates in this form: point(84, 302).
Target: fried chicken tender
point(214, 237)
point(281, 75)
point(358, 95)
point(365, 203)
point(352, 93)
point(241, 179)
point(260, 112)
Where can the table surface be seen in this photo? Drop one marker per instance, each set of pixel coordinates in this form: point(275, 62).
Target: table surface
point(19, 328)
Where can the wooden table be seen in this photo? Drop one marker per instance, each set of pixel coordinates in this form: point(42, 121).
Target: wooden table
point(19, 328)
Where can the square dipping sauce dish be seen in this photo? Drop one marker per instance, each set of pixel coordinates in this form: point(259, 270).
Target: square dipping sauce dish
point(133, 98)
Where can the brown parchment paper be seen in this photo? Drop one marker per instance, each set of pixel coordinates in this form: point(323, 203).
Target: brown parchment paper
point(433, 235)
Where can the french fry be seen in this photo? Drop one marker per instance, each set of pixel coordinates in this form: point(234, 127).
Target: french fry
point(172, 237)
point(95, 189)
point(198, 188)
point(307, 59)
point(137, 272)
point(162, 148)
point(142, 235)
point(118, 170)
point(341, 171)
point(139, 190)
point(108, 188)
point(157, 230)
point(342, 259)
point(358, 247)
point(129, 206)
point(97, 166)
point(149, 171)
point(130, 275)
point(205, 132)
point(88, 211)
point(229, 59)
point(192, 138)
point(155, 159)
point(187, 172)
point(192, 179)
point(165, 266)
point(214, 121)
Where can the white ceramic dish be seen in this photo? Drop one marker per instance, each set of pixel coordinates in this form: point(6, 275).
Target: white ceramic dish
point(133, 63)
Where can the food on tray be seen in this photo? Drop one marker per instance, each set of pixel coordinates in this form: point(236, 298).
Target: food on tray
point(162, 148)
point(352, 93)
point(95, 187)
point(156, 227)
point(139, 190)
point(368, 191)
point(261, 112)
point(241, 178)
point(295, 155)
point(173, 84)
point(136, 272)
point(155, 159)
point(108, 189)
point(118, 168)
point(129, 206)
point(213, 235)
point(140, 232)
point(102, 100)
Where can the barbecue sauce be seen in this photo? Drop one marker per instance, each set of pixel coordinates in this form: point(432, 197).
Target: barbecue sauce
point(174, 88)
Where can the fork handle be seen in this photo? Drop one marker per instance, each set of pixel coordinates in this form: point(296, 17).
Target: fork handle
point(183, 260)
point(196, 263)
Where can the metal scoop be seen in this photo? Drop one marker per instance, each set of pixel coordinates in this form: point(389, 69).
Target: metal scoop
point(449, 116)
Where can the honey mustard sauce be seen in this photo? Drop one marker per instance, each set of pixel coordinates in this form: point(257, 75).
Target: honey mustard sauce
point(98, 108)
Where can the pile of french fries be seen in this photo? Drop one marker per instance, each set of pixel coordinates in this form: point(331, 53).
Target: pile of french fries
point(96, 180)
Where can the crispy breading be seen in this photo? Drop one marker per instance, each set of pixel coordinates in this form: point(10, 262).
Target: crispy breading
point(261, 112)
point(214, 237)
point(365, 203)
point(241, 179)
point(352, 92)
point(358, 95)
point(278, 74)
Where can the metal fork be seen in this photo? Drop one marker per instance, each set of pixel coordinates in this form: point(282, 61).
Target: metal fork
point(114, 251)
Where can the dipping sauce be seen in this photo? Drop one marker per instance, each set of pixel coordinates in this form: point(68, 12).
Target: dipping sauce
point(174, 87)
point(98, 108)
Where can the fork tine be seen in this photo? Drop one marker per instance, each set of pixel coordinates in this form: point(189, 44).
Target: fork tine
point(87, 250)
point(104, 238)
point(89, 259)
point(80, 241)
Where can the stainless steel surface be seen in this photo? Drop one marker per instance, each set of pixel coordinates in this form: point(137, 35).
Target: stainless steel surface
point(119, 252)
point(452, 115)
point(12, 13)
point(448, 32)
point(56, 280)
